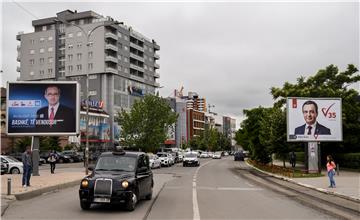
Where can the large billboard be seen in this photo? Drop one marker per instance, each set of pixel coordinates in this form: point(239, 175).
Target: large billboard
point(314, 119)
point(43, 108)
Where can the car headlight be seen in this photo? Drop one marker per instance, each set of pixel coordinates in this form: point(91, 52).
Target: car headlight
point(125, 184)
point(84, 183)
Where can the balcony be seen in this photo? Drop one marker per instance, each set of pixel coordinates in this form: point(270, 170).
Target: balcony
point(111, 59)
point(18, 58)
point(136, 47)
point(111, 35)
point(111, 47)
point(18, 47)
point(156, 56)
point(136, 78)
point(137, 57)
point(156, 84)
point(156, 46)
point(18, 69)
point(156, 66)
point(136, 67)
point(111, 70)
point(157, 75)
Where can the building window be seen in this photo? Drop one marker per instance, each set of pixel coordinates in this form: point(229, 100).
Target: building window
point(70, 57)
point(50, 71)
point(41, 72)
point(90, 66)
point(92, 92)
point(92, 76)
point(50, 49)
point(126, 70)
point(42, 60)
point(78, 67)
point(145, 67)
point(32, 41)
point(119, 34)
point(126, 59)
point(50, 59)
point(79, 34)
point(70, 68)
point(126, 48)
point(70, 35)
point(70, 46)
point(90, 54)
point(32, 51)
point(50, 38)
point(90, 44)
point(44, 28)
point(78, 56)
point(79, 45)
point(42, 39)
point(42, 50)
point(32, 62)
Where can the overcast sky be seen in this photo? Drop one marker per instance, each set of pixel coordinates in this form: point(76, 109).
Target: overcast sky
point(230, 53)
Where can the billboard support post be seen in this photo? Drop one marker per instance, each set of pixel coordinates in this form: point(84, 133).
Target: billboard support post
point(35, 144)
point(313, 157)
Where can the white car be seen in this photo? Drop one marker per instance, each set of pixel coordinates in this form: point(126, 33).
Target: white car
point(15, 166)
point(164, 158)
point(171, 159)
point(181, 157)
point(190, 159)
point(217, 155)
point(155, 161)
point(211, 154)
point(204, 155)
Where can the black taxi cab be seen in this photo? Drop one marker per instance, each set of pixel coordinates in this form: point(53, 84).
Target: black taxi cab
point(118, 177)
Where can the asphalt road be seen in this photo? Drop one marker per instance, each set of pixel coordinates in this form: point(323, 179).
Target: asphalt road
point(211, 191)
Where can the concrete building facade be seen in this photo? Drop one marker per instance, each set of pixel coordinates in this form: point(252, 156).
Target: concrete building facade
point(120, 61)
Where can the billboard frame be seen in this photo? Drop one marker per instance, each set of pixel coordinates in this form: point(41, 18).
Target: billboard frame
point(313, 98)
point(77, 109)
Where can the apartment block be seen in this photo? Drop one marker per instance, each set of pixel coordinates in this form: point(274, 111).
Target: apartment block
point(120, 63)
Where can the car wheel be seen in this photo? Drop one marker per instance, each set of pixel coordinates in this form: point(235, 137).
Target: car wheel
point(14, 170)
point(130, 205)
point(85, 205)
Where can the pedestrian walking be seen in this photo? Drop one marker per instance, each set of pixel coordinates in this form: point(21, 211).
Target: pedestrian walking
point(330, 166)
point(293, 159)
point(27, 166)
point(52, 160)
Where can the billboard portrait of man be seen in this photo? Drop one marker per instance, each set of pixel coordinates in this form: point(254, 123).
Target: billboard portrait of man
point(55, 116)
point(312, 126)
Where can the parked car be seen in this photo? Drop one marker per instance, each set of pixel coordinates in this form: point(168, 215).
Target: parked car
point(181, 157)
point(239, 156)
point(204, 155)
point(18, 156)
point(164, 158)
point(217, 155)
point(61, 158)
point(14, 166)
point(155, 161)
point(190, 159)
point(73, 155)
point(119, 177)
point(4, 166)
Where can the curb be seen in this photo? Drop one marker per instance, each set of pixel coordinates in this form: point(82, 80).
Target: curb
point(34, 193)
point(354, 199)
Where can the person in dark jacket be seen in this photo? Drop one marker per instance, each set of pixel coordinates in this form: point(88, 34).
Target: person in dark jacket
point(55, 117)
point(27, 166)
point(311, 126)
point(52, 160)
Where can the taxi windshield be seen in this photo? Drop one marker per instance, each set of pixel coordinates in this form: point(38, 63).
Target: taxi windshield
point(122, 163)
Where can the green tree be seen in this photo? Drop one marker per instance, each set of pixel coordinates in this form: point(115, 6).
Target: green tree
point(145, 126)
point(49, 143)
point(330, 82)
point(21, 144)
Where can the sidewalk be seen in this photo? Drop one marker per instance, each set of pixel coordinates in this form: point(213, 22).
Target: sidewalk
point(46, 182)
point(347, 183)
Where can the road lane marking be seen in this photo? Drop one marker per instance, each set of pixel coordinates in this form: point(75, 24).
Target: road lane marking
point(229, 188)
point(196, 212)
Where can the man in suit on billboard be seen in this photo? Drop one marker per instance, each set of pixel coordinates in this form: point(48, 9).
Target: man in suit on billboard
point(55, 117)
point(311, 127)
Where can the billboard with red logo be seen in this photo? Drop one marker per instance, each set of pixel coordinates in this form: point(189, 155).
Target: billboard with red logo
point(314, 119)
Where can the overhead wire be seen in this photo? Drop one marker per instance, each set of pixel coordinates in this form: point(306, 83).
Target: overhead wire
point(27, 11)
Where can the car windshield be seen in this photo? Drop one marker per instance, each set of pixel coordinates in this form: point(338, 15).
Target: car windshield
point(12, 159)
point(190, 155)
point(116, 163)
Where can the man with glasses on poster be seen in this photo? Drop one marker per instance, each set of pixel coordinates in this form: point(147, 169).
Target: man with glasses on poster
point(311, 127)
point(55, 117)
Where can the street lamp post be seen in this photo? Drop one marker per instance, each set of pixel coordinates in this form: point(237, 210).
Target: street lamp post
point(87, 35)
